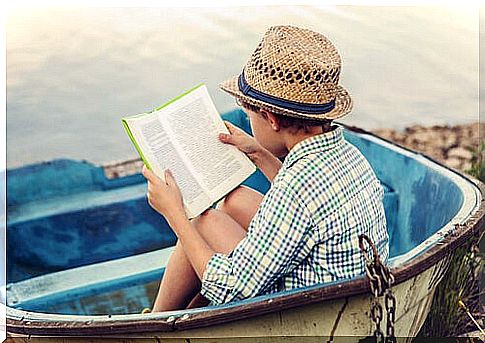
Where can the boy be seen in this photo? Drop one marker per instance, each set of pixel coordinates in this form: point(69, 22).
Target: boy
point(305, 229)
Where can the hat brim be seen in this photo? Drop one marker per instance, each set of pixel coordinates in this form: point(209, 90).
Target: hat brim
point(343, 102)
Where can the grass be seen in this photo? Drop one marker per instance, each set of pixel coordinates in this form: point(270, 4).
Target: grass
point(478, 163)
point(461, 282)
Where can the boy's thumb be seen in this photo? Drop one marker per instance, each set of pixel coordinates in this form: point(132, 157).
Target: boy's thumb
point(224, 137)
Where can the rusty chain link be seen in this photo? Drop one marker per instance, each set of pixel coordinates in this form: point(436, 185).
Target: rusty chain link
point(377, 318)
point(381, 281)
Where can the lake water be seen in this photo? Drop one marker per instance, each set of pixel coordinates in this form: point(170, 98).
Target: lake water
point(73, 73)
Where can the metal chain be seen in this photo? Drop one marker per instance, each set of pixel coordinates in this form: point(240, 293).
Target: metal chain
point(381, 281)
point(376, 316)
point(391, 315)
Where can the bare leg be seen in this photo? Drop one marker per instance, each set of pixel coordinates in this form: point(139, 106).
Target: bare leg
point(180, 283)
point(242, 204)
point(172, 293)
point(198, 301)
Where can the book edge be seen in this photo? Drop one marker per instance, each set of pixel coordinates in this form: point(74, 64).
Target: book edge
point(254, 169)
point(133, 140)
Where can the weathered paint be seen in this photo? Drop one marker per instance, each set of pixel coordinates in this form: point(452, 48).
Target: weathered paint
point(451, 197)
point(338, 318)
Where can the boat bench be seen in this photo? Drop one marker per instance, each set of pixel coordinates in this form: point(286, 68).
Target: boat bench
point(70, 285)
point(66, 214)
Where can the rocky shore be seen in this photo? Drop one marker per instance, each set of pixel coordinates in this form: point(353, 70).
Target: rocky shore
point(453, 146)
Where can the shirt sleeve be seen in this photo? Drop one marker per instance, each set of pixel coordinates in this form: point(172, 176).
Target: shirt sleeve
point(279, 237)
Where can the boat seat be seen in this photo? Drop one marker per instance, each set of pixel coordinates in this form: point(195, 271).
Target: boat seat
point(63, 204)
point(66, 186)
point(93, 279)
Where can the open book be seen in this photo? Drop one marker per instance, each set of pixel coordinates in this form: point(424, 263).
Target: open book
point(182, 135)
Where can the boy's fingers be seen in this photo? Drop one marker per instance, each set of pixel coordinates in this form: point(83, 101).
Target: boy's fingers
point(151, 188)
point(149, 175)
point(144, 171)
point(169, 179)
point(232, 137)
point(224, 137)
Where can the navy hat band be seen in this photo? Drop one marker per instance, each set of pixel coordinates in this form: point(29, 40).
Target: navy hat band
point(246, 89)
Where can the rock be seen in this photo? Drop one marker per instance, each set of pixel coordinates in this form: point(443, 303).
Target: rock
point(436, 154)
point(453, 162)
point(450, 141)
point(461, 153)
point(466, 165)
point(385, 133)
point(124, 168)
point(415, 128)
point(424, 136)
point(399, 137)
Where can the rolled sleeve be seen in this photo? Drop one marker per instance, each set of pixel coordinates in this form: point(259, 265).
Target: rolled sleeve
point(279, 237)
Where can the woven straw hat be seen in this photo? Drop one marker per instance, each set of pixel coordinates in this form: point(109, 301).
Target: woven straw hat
point(293, 72)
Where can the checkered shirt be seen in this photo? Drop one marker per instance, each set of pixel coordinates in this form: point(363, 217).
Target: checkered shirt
point(306, 228)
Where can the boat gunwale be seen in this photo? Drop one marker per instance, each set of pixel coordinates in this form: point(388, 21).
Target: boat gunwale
point(35, 323)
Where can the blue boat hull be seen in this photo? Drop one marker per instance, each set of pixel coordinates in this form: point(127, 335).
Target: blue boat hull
point(66, 222)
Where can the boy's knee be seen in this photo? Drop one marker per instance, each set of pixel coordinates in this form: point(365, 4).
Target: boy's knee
point(220, 232)
point(205, 221)
point(232, 202)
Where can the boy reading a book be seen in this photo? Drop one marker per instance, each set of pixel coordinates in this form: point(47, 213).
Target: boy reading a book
point(305, 229)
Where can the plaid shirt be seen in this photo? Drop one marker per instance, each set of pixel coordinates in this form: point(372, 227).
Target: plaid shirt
point(306, 228)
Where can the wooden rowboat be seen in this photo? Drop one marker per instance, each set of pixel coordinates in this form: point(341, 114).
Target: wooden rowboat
point(85, 254)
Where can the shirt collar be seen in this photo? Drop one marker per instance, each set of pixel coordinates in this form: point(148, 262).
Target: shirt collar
point(322, 142)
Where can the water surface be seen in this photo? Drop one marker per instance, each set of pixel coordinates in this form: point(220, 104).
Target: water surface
point(73, 73)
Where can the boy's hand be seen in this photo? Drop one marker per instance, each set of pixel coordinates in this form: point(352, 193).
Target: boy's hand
point(242, 141)
point(164, 197)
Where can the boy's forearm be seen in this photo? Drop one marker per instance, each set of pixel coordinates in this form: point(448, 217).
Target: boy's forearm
point(267, 163)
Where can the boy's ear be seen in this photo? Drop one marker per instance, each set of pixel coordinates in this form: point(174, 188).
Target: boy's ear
point(272, 120)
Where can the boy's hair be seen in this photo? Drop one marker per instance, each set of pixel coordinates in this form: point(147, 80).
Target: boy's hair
point(294, 124)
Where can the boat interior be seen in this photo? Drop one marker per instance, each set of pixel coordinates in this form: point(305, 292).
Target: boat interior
point(79, 243)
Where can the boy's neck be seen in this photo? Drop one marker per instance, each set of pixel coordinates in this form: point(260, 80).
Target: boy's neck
point(291, 139)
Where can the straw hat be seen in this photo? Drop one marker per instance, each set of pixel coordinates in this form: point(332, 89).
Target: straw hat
point(294, 72)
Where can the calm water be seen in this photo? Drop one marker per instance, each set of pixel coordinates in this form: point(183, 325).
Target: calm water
point(73, 73)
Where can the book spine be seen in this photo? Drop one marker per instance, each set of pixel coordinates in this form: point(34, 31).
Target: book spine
point(130, 134)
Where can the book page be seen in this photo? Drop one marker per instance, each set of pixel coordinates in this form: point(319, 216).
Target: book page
point(162, 154)
point(195, 125)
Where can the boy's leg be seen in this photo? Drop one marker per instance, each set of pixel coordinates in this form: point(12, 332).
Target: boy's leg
point(173, 292)
point(180, 283)
point(242, 204)
point(222, 232)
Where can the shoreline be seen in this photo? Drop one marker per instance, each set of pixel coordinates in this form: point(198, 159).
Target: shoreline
point(452, 145)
